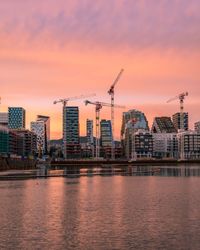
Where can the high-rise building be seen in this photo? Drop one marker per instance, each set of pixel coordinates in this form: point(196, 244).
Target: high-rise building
point(106, 133)
point(46, 120)
point(163, 125)
point(89, 149)
point(105, 138)
point(176, 118)
point(134, 121)
point(38, 128)
point(16, 118)
point(197, 127)
point(4, 119)
point(89, 132)
point(139, 119)
point(71, 140)
point(42, 129)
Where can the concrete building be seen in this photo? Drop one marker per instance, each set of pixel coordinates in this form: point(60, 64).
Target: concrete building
point(38, 128)
point(16, 118)
point(90, 138)
point(137, 117)
point(139, 144)
point(197, 127)
point(41, 127)
point(163, 125)
point(4, 119)
point(189, 145)
point(165, 145)
point(26, 142)
point(132, 121)
point(71, 140)
point(89, 132)
point(176, 118)
point(46, 120)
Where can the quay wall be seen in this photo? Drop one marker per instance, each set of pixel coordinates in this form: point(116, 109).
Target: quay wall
point(14, 163)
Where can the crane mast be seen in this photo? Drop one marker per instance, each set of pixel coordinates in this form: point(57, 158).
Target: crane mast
point(181, 98)
point(111, 92)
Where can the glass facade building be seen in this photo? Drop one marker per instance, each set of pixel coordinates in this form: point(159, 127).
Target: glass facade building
point(106, 133)
point(16, 118)
point(71, 139)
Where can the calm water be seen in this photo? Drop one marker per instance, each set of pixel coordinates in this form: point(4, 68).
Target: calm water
point(101, 212)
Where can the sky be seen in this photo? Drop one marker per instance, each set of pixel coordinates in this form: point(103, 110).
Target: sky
point(61, 48)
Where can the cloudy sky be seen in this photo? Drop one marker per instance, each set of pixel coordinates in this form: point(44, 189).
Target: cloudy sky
point(62, 48)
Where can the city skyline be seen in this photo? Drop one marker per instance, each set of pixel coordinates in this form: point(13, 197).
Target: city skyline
point(57, 50)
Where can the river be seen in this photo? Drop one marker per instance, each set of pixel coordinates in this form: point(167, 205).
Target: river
point(136, 211)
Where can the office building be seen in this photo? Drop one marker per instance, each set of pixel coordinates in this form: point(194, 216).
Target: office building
point(137, 117)
point(89, 132)
point(132, 121)
point(89, 147)
point(139, 144)
point(71, 140)
point(105, 133)
point(4, 119)
point(24, 142)
point(38, 128)
point(41, 127)
point(46, 120)
point(163, 125)
point(176, 118)
point(105, 138)
point(189, 145)
point(16, 118)
point(165, 145)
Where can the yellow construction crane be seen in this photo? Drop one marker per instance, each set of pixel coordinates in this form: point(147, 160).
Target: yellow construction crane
point(111, 92)
point(181, 98)
point(98, 107)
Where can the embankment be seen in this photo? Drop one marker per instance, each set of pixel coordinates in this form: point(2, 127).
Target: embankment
point(13, 163)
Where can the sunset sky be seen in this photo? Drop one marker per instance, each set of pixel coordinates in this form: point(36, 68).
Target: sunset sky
point(51, 49)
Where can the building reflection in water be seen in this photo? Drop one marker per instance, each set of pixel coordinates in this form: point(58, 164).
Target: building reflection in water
point(109, 170)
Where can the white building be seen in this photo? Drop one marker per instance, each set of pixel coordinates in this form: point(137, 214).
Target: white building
point(165, 145)
point(38, 128)
point(189, 145)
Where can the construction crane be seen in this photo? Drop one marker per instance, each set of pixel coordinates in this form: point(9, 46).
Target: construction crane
point(98, 107)
point(64, 101)
point(181, 98)
point(111, 92)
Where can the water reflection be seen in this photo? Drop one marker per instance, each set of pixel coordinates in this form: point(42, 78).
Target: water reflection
point(122, 212)
point(177, 171)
